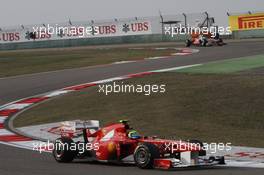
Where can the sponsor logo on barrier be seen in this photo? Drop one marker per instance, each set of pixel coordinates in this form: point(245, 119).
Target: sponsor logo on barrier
point(136, 27)
point(64, 31)
point(247, 22)
point(10, 36)
point(107, 29)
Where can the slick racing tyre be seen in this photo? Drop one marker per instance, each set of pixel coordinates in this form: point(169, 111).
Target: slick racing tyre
point(62, 152)
point(201, 152)
point(188, 43)
point(219, 159)
point(145, 154)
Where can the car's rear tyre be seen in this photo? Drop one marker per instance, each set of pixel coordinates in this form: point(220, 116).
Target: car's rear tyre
point(62, 152)
point(221, 160)
point(198, 142)
point(188, 43)
point(145, 154)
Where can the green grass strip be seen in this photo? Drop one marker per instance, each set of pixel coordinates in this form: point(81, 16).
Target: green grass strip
point(228, 66)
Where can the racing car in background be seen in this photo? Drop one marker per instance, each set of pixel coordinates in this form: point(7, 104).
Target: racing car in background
point(119, 143)
point(204, 40)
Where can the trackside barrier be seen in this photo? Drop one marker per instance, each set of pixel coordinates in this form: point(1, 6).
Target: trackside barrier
point(94, 32)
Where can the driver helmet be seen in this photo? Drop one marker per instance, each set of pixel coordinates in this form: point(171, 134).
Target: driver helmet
point(133, 134)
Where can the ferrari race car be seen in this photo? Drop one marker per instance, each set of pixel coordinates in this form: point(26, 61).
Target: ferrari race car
point(204, 40)
point(119, 143)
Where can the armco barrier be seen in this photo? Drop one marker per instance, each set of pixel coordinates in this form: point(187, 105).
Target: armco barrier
point(91, 41)
point(248, 34)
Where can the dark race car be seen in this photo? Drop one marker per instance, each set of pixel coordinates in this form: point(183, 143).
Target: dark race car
point(119, 143)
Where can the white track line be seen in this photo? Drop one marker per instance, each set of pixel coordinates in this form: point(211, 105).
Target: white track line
point(176, 68)
point(57, 93)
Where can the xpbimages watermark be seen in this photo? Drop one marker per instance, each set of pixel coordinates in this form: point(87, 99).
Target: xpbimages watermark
point(188, 30)
point(168, 147)
point(79, 31)
point(146, 89)
point(58, 145)
point(209, 147)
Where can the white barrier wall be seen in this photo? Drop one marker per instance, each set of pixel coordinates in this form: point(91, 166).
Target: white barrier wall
point(97, 29)
point(66, 31)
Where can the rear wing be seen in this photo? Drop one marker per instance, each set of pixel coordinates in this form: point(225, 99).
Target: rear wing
point(90, 124)
point(76, 128)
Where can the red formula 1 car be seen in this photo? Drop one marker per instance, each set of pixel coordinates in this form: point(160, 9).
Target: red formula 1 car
point(205, 40)
point(119, 143)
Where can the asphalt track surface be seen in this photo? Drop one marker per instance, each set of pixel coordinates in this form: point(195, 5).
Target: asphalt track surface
point(16, 161)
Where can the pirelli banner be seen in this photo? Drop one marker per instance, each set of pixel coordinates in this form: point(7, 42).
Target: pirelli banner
point(247, 22)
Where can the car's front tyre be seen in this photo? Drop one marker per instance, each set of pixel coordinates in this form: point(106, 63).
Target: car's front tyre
point(188, 43)
point(145, 154)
